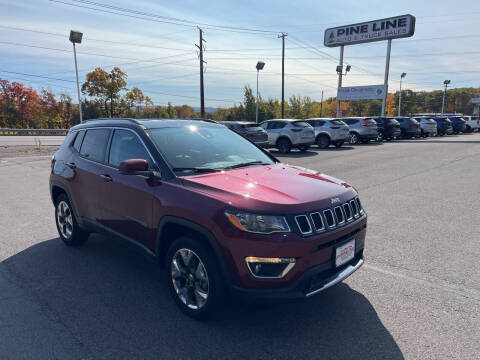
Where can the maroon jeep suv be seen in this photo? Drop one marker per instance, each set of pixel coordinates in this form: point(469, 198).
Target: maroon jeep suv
point(223, 216)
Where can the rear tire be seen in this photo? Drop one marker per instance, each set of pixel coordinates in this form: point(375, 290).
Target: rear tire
point(323, 141)
point(194, 279)
point(67, 226)
point(380, 137)
point(284, 146)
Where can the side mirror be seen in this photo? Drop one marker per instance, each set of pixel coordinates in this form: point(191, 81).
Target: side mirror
point(133, 165)
point(137, 167)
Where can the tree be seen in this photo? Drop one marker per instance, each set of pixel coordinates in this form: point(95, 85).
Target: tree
point(106, 87)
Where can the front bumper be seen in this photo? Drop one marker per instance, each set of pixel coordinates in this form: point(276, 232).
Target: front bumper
point(313, 281)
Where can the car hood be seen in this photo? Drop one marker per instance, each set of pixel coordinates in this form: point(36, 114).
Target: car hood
point(271, 186)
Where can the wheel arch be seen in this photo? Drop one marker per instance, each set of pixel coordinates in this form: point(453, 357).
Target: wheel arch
point(171, 228)
point(325, 134)
point(58, 188)
point(283, 137)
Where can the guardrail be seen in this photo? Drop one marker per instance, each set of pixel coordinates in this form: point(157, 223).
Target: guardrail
point(33, 132)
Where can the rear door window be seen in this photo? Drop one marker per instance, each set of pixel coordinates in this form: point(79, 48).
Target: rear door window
point(94, 144)
point(251, 127)
point(301, 124)
point(337, 122)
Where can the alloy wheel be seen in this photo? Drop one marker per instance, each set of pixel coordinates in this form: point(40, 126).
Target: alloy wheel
point(64, 219)
point(353, 138)
point(190, 278)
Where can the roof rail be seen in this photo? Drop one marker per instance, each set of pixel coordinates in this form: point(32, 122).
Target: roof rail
point(116, 119)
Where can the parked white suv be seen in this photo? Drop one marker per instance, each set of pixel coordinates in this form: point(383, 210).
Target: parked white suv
point(472, 124)
point(329, 131)
point(284, 134)
point(428, 126)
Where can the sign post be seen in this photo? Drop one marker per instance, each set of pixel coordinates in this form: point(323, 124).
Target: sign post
point(340, 76)
point(387, 70)
point(377, 30)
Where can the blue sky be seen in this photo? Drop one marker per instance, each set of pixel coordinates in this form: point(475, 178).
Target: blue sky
point(445, 46)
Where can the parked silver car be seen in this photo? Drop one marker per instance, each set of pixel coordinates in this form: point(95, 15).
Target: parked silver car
point(329, 131)
point(284, 134)
point(361, 129)
point(428, 126)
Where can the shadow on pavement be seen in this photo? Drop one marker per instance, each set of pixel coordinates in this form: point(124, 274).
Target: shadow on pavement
point(294, 154)
point(115, 304)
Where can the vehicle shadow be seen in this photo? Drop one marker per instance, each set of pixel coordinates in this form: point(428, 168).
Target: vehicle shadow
point(442, 141)
point(294, 154)
point(116, 305)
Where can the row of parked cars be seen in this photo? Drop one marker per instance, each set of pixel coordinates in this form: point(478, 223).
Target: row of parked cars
point(285, 134)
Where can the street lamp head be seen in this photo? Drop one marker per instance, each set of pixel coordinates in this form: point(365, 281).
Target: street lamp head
point(75, 36)
point(260, 65)
point(446, 82)
point(403, 75)
point(347, 69)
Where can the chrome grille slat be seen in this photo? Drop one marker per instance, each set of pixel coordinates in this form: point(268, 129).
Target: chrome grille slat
point(319, 217)
point(339, 216)
point(329, 212)
point(304, 231)
point(347, 211)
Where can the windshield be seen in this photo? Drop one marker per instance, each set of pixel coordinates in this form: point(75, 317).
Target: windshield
point(191, 149)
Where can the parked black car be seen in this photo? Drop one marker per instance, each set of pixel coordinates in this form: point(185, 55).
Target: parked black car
point(444, 125)
point(388, 128)
point(409, 127)
point(248, 130)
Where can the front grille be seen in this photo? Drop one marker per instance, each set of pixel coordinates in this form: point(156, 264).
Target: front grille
point(329, 219)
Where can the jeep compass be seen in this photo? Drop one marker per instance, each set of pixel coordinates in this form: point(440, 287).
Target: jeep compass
point(221, 215)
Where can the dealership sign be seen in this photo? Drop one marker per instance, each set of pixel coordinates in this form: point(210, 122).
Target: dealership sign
point(377, 30)
point(361, 92)
point(475, 100)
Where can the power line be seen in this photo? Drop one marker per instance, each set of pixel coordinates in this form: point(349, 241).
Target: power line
point(112, 9)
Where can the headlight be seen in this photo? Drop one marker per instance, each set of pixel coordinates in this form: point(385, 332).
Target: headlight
point(264, 224)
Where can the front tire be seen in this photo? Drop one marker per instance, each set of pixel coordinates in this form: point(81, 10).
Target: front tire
point(67, 226)
point(195, 280)
point(354, 138)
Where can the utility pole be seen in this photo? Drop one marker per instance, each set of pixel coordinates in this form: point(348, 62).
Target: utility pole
point(321, 105)
point(202, 95)
point(283, 73)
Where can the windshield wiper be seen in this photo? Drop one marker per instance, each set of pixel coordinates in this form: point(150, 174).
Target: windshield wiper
point(239, 165)
point(195, 169)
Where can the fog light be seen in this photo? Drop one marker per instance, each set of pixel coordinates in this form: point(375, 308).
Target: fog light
point(269, 268)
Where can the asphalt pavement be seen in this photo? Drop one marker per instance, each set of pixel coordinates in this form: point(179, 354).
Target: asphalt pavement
point(417, 296)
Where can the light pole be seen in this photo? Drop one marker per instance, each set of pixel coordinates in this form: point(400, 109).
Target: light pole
point(400, 96)
point(446, 83)
point(76, 38)
point(260, 65)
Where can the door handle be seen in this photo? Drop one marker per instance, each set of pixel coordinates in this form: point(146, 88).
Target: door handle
point(106, 177)
point(71, 165)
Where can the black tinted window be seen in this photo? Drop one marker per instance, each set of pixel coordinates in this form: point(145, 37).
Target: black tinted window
point(321, 122)
point(126, 145)
point(250, 127)
point(95, 143)
point(78, 140)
